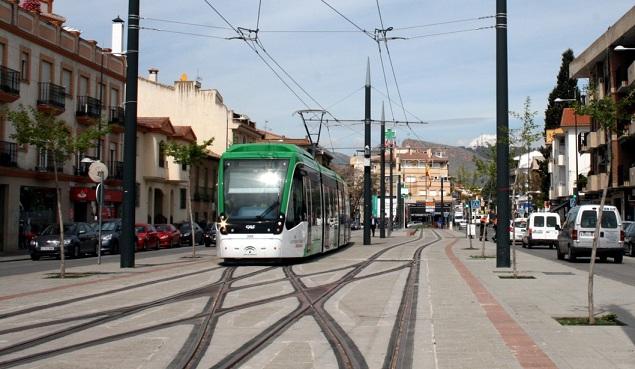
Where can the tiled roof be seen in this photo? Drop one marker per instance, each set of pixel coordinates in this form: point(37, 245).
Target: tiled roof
point(569, 119)
point(156, 124)
point(185, 133)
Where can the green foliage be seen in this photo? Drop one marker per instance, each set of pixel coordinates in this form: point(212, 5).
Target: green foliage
point(188, 154)
point(47, 132)
point(565, 88)
point(486, 169)
point(605, 111)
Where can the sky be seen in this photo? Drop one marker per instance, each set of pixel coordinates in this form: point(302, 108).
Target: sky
point(443, 57)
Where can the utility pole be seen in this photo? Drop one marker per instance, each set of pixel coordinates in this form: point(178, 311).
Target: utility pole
point(442, 207)
point(390, 204)
point(367, 185)
point(502, 137)
point(382, 184)
point(127, 246)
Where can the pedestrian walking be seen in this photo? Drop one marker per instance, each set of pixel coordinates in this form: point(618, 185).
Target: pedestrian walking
point(373, 225)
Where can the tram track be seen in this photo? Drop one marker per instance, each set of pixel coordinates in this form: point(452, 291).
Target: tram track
point(312, 301)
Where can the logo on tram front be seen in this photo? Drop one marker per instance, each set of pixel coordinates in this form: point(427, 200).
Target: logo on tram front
point(250, 226)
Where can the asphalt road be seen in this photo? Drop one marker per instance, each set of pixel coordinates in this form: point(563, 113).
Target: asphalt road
point(52, 265)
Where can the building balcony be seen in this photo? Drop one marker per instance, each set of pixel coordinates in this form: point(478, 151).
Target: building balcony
point(597, 182)
point(583, 146)
point(630, 73)
point(601, 137)
point(592, 140)
point(88, 110)
point(51, 98)
point(8, 154)
point(9, 85)
point(561, 190)
point(560, 160)
point(115, 170)
point(116, 117)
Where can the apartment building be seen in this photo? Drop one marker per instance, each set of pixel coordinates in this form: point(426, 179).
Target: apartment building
point(424, 173)
point(609, 64)
point(566, 163)
point(52, 68)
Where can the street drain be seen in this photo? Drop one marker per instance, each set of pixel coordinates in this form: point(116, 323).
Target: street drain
point(558, 273)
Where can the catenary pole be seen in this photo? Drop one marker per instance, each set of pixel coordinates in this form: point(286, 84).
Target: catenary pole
point(130, 138)
point(367, 184)
point(382, 183)
point(502, 137)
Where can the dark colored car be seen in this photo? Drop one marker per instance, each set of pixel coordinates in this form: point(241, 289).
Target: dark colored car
point(186, 234)
point(629, 239)
point(209, 235)
point(169, 236)
point(79, 239)
point(110, 234)
point(147, 237)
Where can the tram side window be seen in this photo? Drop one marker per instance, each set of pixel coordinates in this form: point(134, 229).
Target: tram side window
point(296, 211)
point(316, 215)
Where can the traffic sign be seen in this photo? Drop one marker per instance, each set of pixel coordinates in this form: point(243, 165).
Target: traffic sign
point(475, 204)
point(390, 134)
point(98, 171)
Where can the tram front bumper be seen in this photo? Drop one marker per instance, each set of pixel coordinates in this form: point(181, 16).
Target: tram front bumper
point(237, 247)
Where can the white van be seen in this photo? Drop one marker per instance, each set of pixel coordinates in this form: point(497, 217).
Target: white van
point(542, 229)
point(576, 235)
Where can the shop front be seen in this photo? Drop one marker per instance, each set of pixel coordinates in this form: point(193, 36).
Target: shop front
point(85, 205)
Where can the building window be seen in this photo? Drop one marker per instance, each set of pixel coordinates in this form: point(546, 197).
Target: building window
point(46, 71)
point(25, 66)
point(411, 179)
point(67, 81)
point(114, 97)
point(184, 167)
point(83, 86)
point(161, 154)
point(182, 198)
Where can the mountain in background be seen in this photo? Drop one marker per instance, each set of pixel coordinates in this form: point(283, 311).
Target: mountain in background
point(457, 156)
point(483, 140)
point(340, 159)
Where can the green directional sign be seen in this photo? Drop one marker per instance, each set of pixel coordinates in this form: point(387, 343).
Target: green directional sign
point(390, 134)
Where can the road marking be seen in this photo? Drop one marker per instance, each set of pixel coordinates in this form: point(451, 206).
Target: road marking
point(526, 351)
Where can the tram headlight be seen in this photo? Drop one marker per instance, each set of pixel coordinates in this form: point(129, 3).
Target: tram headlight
point(279, 224)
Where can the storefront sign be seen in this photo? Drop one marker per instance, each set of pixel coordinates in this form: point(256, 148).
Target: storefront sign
point(86, 194)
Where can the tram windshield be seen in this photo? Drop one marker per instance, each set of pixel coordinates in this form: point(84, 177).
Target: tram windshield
point(253, 188)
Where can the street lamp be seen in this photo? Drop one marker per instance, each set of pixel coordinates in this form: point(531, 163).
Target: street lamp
point(577, 153)
point(623, 48)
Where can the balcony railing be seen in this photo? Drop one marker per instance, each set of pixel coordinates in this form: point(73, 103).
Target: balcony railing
point(52, 95)
point(8, 154)
point(88, 107)
point(81, 169)
point(116, 115)
point(9, 81)
point(115, 170)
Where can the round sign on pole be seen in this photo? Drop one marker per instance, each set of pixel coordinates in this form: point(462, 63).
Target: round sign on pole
point(98, 171)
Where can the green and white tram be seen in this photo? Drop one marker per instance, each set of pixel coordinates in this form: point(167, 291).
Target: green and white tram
point(276, 201)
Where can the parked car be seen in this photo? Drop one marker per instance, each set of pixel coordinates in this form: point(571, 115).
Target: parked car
point(110, 233)
point(629, 239)
point(169, 236)
point(209, 235)
point(542, 229)
point(79, 239)
point(186, 234)
point(146, 237)
point(520, 225)
point(575, 238)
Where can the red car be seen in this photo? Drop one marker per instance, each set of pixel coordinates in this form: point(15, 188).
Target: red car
point(169, 236)
point(147, 237)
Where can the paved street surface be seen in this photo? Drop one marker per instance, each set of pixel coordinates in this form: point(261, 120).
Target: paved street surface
point(409, 301)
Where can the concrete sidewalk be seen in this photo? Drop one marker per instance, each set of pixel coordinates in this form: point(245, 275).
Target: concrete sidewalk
point(557, 290)
point(466, 316)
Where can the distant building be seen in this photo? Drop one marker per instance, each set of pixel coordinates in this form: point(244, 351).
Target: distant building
point(609, 64)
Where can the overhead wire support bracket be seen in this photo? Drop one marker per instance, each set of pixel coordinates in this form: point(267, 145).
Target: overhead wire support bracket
point(381, 35)
point(246, 34)
point(310, 135)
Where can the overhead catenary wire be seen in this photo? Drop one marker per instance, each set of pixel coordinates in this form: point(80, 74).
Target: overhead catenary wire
point(444, 23)
point(448, 33)
point(348, 20)
point(184, 23)
point(184, 33)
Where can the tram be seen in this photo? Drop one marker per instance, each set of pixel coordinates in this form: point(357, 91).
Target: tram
point(276, 201)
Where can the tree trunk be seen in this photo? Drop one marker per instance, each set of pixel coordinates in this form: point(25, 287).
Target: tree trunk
point(60, 221)
point(514, 266)
point(189, 203)
point(596, 233)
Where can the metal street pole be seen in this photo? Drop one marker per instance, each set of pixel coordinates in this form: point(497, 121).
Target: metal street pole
point(101, 207)
point(367, 185)
point(130, 138)
point(390, 204)
point(502, 137)
point(442, 207)
point(382, 171)
point(577, 153)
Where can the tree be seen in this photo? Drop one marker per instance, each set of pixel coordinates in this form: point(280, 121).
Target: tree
point(189, 155)
point(605, 112)
point(566, 87)
point(53, 136)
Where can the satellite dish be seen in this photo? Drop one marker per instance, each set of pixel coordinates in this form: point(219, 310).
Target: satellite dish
point(98, 171)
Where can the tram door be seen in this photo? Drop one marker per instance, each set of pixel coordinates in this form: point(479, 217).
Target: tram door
point(314, 197)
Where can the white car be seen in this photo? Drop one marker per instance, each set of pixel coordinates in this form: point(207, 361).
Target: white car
point(520, 226)
point(542, 229)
